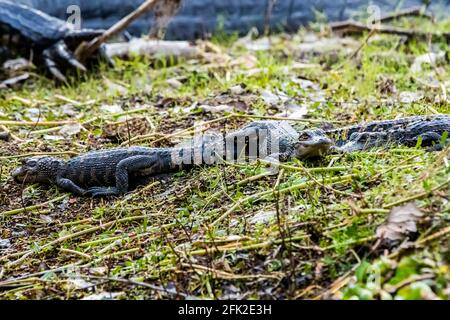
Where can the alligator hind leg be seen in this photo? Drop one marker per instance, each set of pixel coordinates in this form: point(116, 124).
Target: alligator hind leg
point(123, 171)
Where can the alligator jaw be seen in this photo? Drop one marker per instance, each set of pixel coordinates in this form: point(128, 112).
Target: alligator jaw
point(314, 148)
point(18, 174)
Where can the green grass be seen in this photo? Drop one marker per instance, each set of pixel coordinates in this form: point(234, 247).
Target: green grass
point(319, 240)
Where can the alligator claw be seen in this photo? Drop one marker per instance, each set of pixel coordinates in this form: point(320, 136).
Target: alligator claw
point(51, 65)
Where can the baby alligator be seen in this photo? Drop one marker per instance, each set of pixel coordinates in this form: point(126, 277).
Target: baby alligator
point(108, 173)
point(405, 131)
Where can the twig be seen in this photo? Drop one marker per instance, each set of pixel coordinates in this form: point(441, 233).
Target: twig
point(84, 51)
point(135, 283)
point(358, 28)
point(165, 137)
point(392, 289)
point(8, 134)
point(408, 12)
point(300, 186)
point(243, 247)
point(78, 253)
point(27, 253)
point(251, 116)
point(416, 196)
point(229, 276)
point(33, 154)
point(36, 123)
point(30, 208)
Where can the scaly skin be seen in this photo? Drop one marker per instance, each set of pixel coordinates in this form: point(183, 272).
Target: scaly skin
point(24, 29)
point(108, 173)
point(404, 131)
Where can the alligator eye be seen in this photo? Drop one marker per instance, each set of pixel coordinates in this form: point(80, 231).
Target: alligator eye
point(32, 163)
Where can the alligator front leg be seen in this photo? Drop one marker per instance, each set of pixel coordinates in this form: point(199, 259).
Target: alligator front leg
point(70, 186)
point(123, 170)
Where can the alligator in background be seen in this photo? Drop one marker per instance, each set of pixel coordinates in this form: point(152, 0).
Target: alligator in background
point(200, 18)
point(50, 41)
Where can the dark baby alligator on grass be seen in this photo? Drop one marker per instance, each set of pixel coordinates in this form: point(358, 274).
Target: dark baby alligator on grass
point(29, 32)
point(108, 173)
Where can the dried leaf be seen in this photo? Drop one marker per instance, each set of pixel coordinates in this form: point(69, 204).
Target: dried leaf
point(293, 111)
point(70, 129)
point(79, 283)
point(273, 99)
point(114, 88)
point(111, 108)
point(174, 83)
point(429, 58)
point(262, 217)
point(104, 296)
point(11, 82)
point(45, 218)
point(5, 243)
point(401, 221)
point(237, 90)
point(409, 96)
point(15, 65)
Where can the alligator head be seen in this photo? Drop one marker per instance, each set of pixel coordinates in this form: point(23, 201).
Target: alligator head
point(41, 169)
point(312, 143)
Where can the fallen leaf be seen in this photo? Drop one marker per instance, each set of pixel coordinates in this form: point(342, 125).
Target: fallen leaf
point(34, 114)
point(262, 217)
point(409, 96)
point(174, 83)
point(261, 44)
point(293, 111)
point(272, 98)
point(114, 88)
point(14, 65)
point(99, 271)
point(238, 90)
point(5, 243)
point(429, 58)
point(46, 219)
point(400, 222)
point(11, 82)
point(70, 129)
point(79, 283)
point(68, 110)
point(111, 108)
point(104, 296)
point(53, 137)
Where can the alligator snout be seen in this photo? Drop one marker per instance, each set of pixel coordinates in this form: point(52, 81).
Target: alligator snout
point(18, 174)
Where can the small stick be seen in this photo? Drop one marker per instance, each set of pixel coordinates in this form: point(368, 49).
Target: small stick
point(33, 154)
point(30, 208)
point(416, 196)
point(358, 27)
point(300, 186)
point(9, 134)
point(35, 123)
point(408, 12)
point(86, 50)
point(251, 116)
